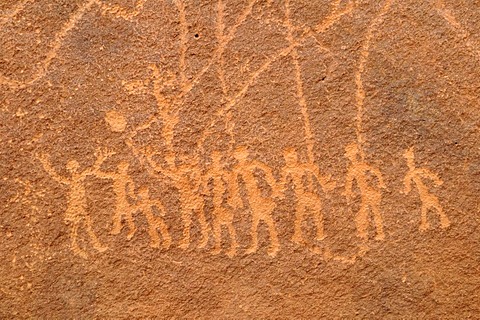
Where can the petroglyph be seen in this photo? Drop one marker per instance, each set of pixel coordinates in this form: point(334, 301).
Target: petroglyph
point(261, 207)
point(120, 12)
point(429, 201)
point(155, 223)
point(308, 202)
point(76, 213)
point(371, 197)
point(222, 212)
point(122, 187)
point(186, 177)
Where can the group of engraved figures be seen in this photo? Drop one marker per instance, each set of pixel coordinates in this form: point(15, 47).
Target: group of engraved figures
point(190, 180)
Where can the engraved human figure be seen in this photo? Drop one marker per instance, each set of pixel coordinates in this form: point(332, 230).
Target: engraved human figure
point(145, 205)
point(186, 177)
point(429, 201)
point(308, 202)
point(76, 213)
point(261, 207)
point(371, 197)
point(122, 184)
point(222, 215)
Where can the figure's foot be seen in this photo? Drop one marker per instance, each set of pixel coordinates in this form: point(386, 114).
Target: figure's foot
point(167, 243)
point(380, 236)
point(79, 252)
point(297, 238)
point(155, 244)
point(272, 251)
point(320, 237)
point(216, 251)
point(100, 248)
point(444, 223)
point(232, 252)
point(184, 244)
point(251, 250)
point(424, 226)
point(131, 233)
point(203, 243)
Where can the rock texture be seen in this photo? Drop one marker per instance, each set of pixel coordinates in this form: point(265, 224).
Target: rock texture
point(239, 159)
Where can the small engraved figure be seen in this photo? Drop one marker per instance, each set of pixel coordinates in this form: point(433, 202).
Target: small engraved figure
point(76, 213)
point(261, 207)
point(186, 177)
point(308, 202)
point(371, 197)
point(155, 223)
point(121, 187)
point(222, 215)
point(429, 201)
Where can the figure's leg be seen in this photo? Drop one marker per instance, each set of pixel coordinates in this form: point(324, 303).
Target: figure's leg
point(93, 237)
point(233, 240)
point(444, 221)
point(167, 239)
point(318, 218)
point(424, 225)
point(361, 221)
point(131, 223)
point(377, 218)
point(203, 226)
point(253, 234)
point(73, 239)
point(117, 221)
point(299, 215)
point(152, 228)
point(217, 234)
point(186, 218)
point(274, 242)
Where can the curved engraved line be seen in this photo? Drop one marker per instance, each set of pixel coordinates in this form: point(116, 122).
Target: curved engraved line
point(360, 91)
point(57, 44)
point(445, 13)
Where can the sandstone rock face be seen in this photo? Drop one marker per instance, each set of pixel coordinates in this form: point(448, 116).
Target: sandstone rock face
point(235, 159)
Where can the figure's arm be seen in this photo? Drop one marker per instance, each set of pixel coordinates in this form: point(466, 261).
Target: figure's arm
point(101, 155)
point(407, 182)
point(51, 172)
point(434, 177)
point(378, 174)
point(276, 187)
point(326, 183)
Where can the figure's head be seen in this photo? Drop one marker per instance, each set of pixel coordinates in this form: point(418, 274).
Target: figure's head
point(409, 155)
point(143, 192)
point(290, 156)
point(123, 166)
point(241, 153)
point(72, 166)
point(351, 151)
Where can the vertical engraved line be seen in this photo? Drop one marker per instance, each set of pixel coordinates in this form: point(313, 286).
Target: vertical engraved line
point(360, 90)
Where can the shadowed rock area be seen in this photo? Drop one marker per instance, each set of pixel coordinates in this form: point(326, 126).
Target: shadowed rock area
point(236, 159)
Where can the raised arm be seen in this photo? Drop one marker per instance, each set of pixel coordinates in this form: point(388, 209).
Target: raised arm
point(51, 172)
point(378, 174)
point(101, 155)
point(432, 176)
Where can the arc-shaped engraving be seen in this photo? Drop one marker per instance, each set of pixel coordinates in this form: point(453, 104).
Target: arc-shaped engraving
point(429, 201)
point(371, 197)
point(77, 212)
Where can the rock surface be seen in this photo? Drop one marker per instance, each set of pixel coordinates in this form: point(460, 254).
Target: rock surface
point(239, 159)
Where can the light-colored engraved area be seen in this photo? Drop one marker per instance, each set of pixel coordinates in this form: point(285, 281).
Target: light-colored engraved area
point(238, 182)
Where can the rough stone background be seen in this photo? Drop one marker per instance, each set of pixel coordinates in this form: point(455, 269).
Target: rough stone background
point(64, 65)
